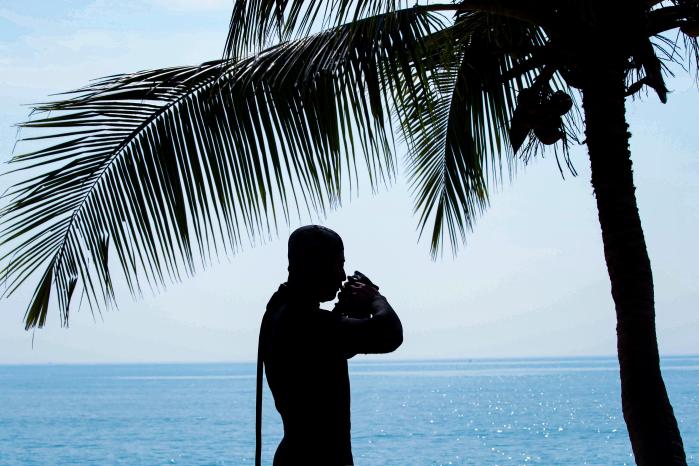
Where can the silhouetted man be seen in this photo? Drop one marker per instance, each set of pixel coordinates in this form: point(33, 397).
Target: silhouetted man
point(305, 349)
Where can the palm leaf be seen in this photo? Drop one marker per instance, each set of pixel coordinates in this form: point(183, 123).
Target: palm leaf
point(172, 168)
point(458, 136)
point(258, 24)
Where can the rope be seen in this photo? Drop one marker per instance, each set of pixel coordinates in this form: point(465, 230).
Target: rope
point(258, 398)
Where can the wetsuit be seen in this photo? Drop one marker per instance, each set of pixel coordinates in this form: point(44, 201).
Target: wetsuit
point(305, 351)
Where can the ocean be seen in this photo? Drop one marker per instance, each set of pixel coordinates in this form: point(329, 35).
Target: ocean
point(466, 412)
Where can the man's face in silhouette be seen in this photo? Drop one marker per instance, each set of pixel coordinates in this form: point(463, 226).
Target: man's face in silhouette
point(316, 262)
point(322, 278)
point(331, 275)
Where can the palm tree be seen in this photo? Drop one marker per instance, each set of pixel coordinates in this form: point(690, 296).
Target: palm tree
point(169, 168)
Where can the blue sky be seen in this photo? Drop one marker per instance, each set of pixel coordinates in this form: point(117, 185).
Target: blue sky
point(530, 282)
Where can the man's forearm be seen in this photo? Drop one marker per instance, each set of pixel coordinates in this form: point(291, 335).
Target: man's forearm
point(386, 318)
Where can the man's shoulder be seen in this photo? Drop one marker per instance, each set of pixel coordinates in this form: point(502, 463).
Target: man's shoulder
point(279, 308)
point(278, 298)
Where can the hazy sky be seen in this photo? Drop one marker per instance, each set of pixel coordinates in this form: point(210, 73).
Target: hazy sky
point(530, 282)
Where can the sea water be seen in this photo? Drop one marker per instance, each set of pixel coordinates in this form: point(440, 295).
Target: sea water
point(471, 412)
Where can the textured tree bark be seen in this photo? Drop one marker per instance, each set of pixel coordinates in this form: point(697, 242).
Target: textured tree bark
point(649, 417)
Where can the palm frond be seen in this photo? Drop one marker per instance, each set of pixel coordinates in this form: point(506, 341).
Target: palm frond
point(458, 137)
point(258, 24)
point(172, 168)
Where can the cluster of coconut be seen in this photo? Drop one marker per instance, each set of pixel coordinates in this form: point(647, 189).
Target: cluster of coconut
point(542, 111)
point(691, 28)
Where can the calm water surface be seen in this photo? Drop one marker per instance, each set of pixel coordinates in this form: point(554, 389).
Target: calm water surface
point(479, 412)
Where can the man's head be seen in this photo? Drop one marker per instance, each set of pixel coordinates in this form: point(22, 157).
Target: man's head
point(316, 261)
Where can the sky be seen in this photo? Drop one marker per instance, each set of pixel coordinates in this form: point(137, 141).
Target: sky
point(530, 282)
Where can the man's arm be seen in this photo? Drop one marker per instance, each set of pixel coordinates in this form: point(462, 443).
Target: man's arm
point(381, 333)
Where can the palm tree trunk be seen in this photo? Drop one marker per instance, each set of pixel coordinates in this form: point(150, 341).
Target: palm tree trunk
point(651, 423)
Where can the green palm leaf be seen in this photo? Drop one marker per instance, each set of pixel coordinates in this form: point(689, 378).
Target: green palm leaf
point(171, 168)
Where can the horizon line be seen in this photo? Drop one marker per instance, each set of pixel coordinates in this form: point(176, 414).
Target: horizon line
point(379, 360)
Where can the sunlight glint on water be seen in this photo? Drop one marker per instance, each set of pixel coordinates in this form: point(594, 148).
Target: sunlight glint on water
point(480, 412)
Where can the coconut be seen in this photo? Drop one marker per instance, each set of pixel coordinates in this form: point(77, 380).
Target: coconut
point(560, 103)
point(528, 98)
point(691, 28)
point(543, 119)
point(548, 136)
